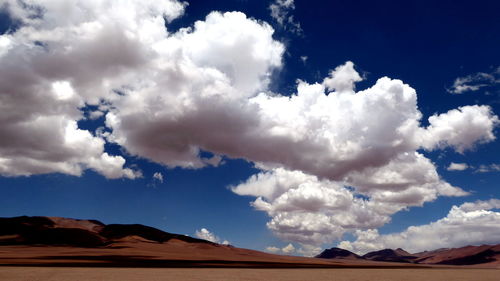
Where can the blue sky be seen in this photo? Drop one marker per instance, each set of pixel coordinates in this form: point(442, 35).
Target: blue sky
point(97, 99)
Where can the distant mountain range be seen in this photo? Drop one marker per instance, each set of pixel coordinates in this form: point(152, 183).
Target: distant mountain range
point(57, 241)
point(470, 255)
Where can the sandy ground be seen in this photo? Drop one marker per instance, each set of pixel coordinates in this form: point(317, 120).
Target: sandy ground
point(177, 274)
point(141, 254)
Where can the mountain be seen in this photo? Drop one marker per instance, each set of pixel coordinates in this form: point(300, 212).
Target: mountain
point(338, 253)
point(56, 241)
point(398, 255)
point(485, 255)
point(462, 256)
point(79, 233)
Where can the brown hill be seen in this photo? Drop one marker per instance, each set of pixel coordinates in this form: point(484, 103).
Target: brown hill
point(79, 233)
point(485, 254)
point(53, 241)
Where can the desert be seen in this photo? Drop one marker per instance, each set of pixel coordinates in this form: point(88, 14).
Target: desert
point(55, 248)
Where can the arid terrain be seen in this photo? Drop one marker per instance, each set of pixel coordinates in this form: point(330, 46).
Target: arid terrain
point(43, 248)
point(69, 242)
point(242, 274)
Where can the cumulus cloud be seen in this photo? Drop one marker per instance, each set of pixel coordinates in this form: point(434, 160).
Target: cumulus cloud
point(343, 78)
point(209, 236)
point(304, 250)
point(460, 128)
point(239, 122)
point(473, 223)
point(167, 97)
point(281, 12)
point(475, 82)
point(197, 94)
point(312, 211)
point(288, 249)
point(66, 55)
point(309, 250)
point(457, 166)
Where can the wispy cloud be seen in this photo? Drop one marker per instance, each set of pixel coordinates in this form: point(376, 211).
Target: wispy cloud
point(475, 82)
point(488, 168)
point(158, 176)
point(281, 12)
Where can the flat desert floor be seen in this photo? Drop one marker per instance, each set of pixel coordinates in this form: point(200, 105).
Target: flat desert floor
point(178, 274)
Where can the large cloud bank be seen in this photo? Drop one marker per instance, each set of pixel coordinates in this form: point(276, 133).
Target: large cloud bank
point(472, 223)
point(333, 159)
point(66, 55)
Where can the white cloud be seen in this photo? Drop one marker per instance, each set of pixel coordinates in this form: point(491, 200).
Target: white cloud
point(158, 176)
point(197, 95)
point(281, 12)
point(342, 79)
point(468, 224)
point(65, 55)
point(209, 236)
point(460, 128)
point(273, 249)
point(474, 82)
point(169, 96)
point(312, 211)
point(309, 250)
point(304, 250)
point(457, 166)
point(488, 168)
point(288, 249)
point(237, 122)
point(5, 44)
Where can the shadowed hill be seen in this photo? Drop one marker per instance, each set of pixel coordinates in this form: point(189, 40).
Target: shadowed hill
point(79, 233)
point(398, 255)
point(117, 231)
point(337, 253)
point(462, 256)
point(470, 255)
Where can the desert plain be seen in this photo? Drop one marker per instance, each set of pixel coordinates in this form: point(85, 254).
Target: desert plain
point(242, 274)
point(63, 249)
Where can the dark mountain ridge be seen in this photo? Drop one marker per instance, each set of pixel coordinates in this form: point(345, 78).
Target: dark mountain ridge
point(398, 255)
point(337, 253)
point(469, 255)
point(26, 230)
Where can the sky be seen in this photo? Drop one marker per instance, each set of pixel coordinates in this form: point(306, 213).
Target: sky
point(282, 126)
